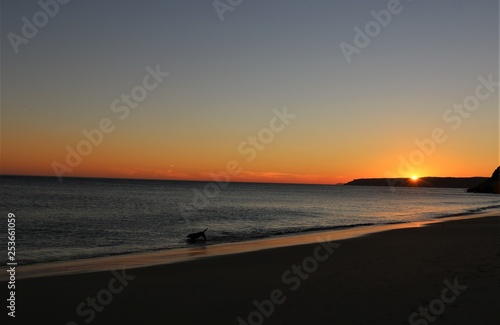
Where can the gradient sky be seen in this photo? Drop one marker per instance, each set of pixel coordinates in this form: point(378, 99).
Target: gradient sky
point(354, 119)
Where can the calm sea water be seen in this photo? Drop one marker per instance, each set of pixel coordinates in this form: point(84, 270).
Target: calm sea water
point(81, 218)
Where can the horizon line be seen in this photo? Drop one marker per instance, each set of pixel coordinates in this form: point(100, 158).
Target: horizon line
point(168, 180)
point(236, 182)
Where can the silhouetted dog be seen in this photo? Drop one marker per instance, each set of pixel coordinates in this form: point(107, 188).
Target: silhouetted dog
point(197, 235)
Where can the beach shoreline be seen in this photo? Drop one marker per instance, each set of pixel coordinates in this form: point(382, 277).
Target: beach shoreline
point(170, 256)
point(384, 277)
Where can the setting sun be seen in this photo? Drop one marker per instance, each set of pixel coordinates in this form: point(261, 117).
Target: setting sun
point(414, 177)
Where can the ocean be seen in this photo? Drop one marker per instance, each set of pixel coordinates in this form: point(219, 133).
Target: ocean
point(83, 218)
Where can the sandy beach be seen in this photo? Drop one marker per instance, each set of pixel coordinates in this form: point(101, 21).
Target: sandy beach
point(445, 272)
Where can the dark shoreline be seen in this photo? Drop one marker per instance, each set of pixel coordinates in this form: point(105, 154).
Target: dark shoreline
point(379, 278)
point(312, 231)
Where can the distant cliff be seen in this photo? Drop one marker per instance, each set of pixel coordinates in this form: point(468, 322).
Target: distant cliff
point(451, 182)
point(491, 185)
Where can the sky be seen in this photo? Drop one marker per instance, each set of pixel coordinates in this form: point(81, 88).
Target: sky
point(265, 91)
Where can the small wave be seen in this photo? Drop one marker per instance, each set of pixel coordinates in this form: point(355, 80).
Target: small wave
point(468, 211)
point(227, 237)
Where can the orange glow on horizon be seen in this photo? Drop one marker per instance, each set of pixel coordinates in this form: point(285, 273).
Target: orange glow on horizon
point(194, 175)
point(298, 164)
